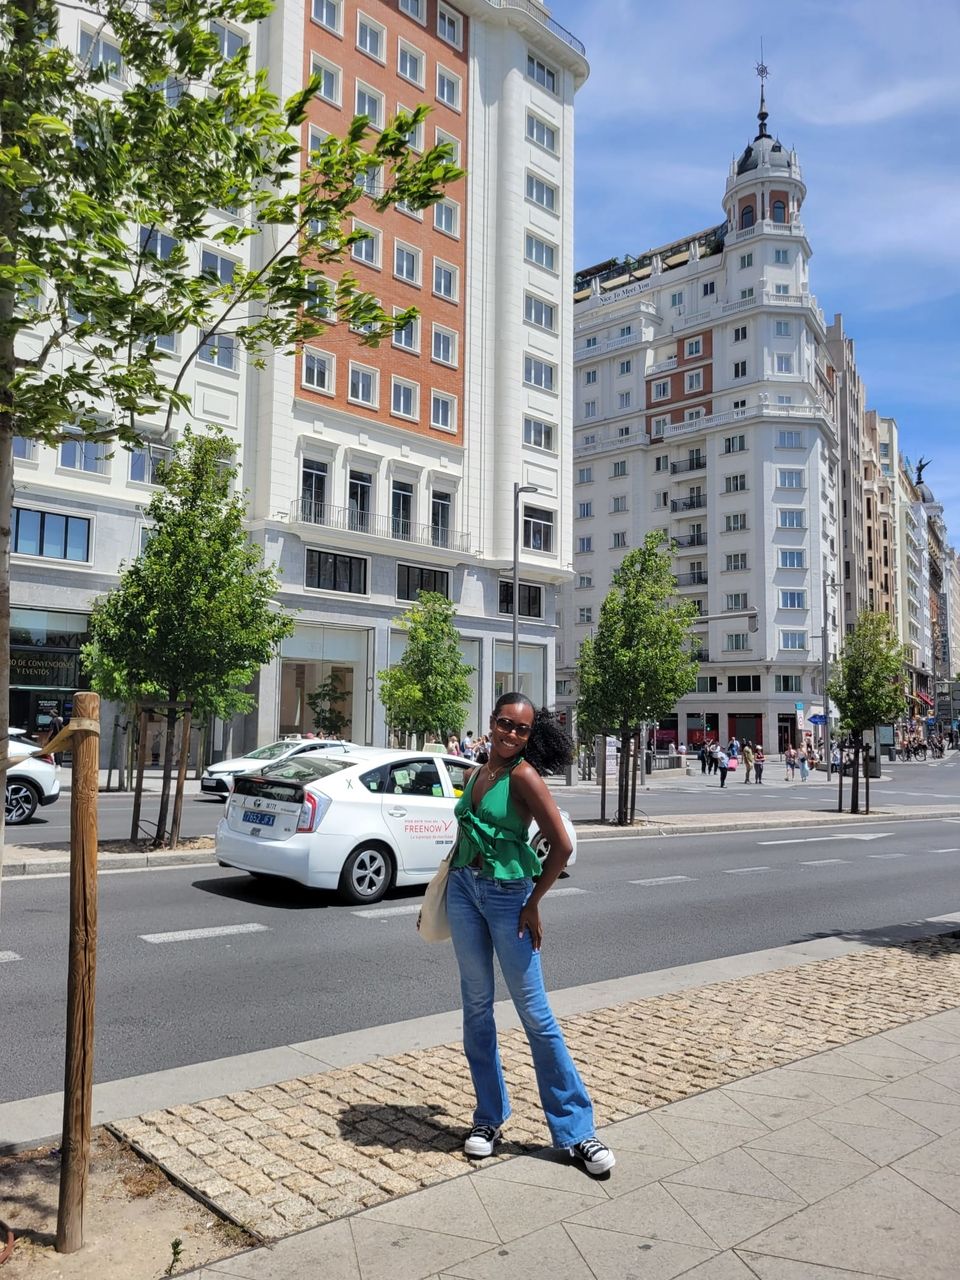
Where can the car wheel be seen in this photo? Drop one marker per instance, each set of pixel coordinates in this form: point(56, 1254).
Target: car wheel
point(366, 875)
point(22, 800)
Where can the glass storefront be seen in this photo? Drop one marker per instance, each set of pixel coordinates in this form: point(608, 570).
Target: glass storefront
point(471, 654)
point(45, 668)
point(337, 658)
point(532, 671)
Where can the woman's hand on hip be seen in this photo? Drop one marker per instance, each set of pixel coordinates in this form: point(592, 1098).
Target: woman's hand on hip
point(530, 919)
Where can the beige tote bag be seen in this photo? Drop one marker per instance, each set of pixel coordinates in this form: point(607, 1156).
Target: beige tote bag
point(432, 923)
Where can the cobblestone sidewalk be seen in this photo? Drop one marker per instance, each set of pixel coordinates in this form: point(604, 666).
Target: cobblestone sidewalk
point(307, 1151)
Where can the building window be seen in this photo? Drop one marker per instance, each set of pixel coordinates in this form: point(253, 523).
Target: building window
point(327, 13)
point(415, 8)
point(313, 491)
point(443, 411)
point(529, 599)
point(626, 366)
point(590, 377)
point(80, 454)
point(541, 193)
point(445, 280)
point(676, 299)
point(788, 684)
point(782, 328)
point(444, 345)
point(590, 342)
point(734, 444)
point(52, 536)
point(541, 74)
point(779, 211)
point(709, 288)
point(584, 580)
point(330, 571)
point(619, 468)
point(661, 390)
point(370, 37)
point(695, 380)
point(452, 143)
point(448, 26)
point(740, 333)
point(694, 347)
point(793, 640)
point(747, 217)
point(623, 400)
point(619, 540)
point(585, 614)
point(793, 599)
point(584, 544)
point(584, 510)
point(539, 251)
point(746, 260)
point(736, 522)
point(446, 217)
point(24, 448)
point(706, 684)
point(412, 579)
point(619, 504)
point(539, 313)
point(101, 54)
point(784, 364)
point(746, 294)
point(791, 518)
point(736, 562)
point(789, 479)
point(661, 462)
point(410, 63)
point(789, 439)
point(366, 250)
point(743, 684)
point(401, 509)
point(590, 409)
point(329, 78)
point(735, 484)
point(363, 385)
point(781, 290)
point(792, 559)
point(147, 461)
point(740, 368)
point(539, 434)
point(370, 104)
point(448, 88)
point(359, 492)
point(585, 475)
point(404, 398)
point(736, 641)
point(539, 373)
point(735, 600)
point(537, 529)
point(406, 263)
point(408, 336)
point(541, 133)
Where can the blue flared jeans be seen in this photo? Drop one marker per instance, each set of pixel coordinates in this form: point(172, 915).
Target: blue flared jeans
point(483, 915)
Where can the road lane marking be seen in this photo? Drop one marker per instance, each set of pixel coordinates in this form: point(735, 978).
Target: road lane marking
point(742, 871)
point(215, 931)
point(886, 855)
point(943, 851)
point(7, 956)
point(566, 889)
point(663, 880)
point(379, 913)
point(826, 862)
point(877, 835)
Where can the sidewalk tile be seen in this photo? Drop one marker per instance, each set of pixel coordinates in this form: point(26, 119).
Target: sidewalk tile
point(778, 1083)
point(935, 1048)
point(833, 1088)
point(651, 1212)
point(612, 1255)
point(948, 1021)
point(735, 1170)
point(919, 1088)
point(549, 1170)
point(947, 1073)
point(868, 1111)
point(945, 1186)
point(812, 1177)
point(833, 1063)
point(453, 1208)
point(725, 1266)
point(885, 1046)
point(717, 1105)
point(705, 1138)
point(297, 1255)
point(888, 1066)
point(516, 1208)
point(777, 1113)
point(729, 1217)
point(939, 1117)
point(782, 1269)
point(544, 1255)
point(805, 1138)
point(882, 1146)
point(883, 1224)
point(644, 1135)
point(942, 1156)
point(386, 1251)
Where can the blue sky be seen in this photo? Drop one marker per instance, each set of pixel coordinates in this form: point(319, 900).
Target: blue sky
point(868, 91)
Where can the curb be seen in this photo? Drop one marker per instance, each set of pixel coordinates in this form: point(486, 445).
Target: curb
point(60, 863)
point(669, 827)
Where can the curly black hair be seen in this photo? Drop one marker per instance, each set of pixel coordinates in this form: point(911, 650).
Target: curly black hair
point(549, 748)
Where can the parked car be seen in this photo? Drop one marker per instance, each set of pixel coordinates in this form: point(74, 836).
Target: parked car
point(357, 824)
point(218, 778)
point(31, 783)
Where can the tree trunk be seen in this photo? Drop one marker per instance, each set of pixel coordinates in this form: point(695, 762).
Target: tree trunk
point(866, 780)
point(633, 777)
point(623, 776)
point(167, 769)
point(840, 783)
point(855, 780)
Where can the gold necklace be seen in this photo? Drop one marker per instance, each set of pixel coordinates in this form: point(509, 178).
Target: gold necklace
point(493, 774)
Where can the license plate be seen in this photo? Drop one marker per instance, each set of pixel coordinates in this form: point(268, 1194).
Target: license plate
point(208, 784)
point(260, 819)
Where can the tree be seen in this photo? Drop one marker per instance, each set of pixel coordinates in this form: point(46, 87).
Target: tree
point(115, 165)
point(866, 684)
point(428, 690)
point(637, 665)
point(192, 619)
point(325, 702)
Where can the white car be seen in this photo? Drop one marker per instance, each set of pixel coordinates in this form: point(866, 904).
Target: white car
point(356, 823)
point(31, 783)
point(218, 778)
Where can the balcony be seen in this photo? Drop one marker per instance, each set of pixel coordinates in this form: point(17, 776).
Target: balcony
point(768, 226)
point(696, 502)
point(697, 463)
point(306, 511)
point(536, 12)
point(695, 579)
point(686, 540)
point(663, 365)
point(702, 655)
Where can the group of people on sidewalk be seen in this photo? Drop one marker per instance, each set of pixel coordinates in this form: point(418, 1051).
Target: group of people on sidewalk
point(716, 759)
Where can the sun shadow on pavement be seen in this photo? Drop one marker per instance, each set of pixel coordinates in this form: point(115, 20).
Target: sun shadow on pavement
point(267, 892)
point(927, 939)
point(420, 1127)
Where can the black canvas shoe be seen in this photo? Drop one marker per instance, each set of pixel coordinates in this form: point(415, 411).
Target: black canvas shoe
point(481, 1140)
point(596, 1157)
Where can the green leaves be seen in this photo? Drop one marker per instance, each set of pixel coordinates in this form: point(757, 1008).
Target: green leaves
point(428, 690)
point(867, 680)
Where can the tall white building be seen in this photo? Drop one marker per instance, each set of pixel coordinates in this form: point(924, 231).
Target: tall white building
point(374, 475)
point(704, 409)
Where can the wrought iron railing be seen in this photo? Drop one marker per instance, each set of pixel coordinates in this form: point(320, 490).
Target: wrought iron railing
point(696, 463)
point(695, 579)
point(306, 511)
point(694, 503)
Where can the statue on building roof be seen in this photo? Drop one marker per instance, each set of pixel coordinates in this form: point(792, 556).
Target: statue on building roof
point(922, 465)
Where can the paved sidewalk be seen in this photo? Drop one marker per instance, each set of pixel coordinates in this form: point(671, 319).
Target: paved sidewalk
point(339, 1146)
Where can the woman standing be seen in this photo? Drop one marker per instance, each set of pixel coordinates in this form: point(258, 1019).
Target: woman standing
point(759, 760)
point(494, 891)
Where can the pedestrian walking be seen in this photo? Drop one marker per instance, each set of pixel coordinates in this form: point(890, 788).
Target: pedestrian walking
point(790, 764)
point(702, 757)
point(748, 761)
point(804, 766)
point(758, 762)
point(714, 757)
point(734, 748)
point(723, 764)
point(54, 727)
point(494, 890)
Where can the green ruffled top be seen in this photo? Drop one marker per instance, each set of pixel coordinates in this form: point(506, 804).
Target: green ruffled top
point(496, 832)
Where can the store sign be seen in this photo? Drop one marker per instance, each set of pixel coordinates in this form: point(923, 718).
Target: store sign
point(44, 669)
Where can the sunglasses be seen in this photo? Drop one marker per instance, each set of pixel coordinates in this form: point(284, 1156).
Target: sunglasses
point(510, 726)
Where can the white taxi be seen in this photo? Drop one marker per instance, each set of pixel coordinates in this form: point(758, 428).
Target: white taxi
point(355, 823)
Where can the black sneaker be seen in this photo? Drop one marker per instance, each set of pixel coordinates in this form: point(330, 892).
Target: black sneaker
point(481, 1140)
point(596, 1156)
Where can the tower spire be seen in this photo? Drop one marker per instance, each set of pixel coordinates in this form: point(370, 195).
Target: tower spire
point(762, 114)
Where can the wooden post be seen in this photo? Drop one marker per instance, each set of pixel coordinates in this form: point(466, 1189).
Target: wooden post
point(81, 975)
point(181, 779)
point(138, 784)
point(601, 754)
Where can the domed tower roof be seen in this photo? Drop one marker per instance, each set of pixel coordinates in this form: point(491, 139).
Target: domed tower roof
point(764, 150)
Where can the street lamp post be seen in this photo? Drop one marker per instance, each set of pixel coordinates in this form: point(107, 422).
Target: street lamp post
point(825, 674)
point(518, 489)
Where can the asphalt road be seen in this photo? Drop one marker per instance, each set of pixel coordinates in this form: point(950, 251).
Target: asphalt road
point(51, 825)
point(306, 966)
